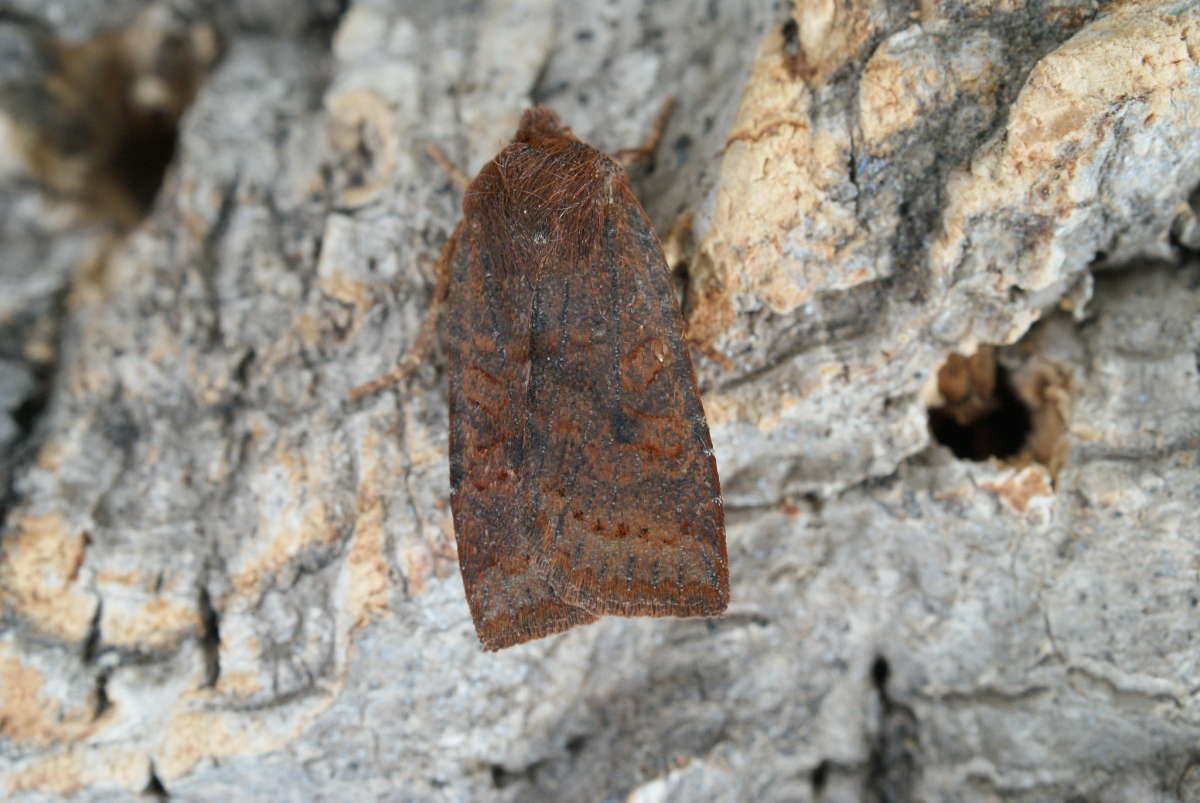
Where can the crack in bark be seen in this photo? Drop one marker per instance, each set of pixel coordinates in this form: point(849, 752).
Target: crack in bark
point(893, 767)
point(154, 786)
point(210, 638)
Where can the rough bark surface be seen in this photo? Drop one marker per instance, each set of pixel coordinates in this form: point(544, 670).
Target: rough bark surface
point(219, 579)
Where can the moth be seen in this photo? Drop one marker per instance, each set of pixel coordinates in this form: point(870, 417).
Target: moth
point(583, 482)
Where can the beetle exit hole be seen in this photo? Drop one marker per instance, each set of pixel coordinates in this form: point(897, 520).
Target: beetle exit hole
point(1004, 404)
point(101, 129)
point(980, 416)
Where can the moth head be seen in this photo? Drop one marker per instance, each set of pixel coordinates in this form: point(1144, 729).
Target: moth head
point(541, 126)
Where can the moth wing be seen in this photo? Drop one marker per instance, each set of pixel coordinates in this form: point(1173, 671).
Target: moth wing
point(487, 337)
point(621, 478)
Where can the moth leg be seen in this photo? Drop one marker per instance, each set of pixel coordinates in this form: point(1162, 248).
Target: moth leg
point(712, 354)
point(627, 157)
point(459, 178)
point(424, 341)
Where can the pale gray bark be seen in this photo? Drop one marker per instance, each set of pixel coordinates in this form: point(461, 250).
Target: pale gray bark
point(219, 576)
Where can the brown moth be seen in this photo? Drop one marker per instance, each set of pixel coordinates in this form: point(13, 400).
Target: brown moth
point(582, 475)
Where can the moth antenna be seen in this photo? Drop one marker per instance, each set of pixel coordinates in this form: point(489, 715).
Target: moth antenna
point(628, 157)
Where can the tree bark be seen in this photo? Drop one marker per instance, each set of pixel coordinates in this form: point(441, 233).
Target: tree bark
point(938, 261)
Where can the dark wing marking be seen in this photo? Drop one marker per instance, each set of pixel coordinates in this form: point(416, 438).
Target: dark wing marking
point(620, 477)
point(487, 336)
